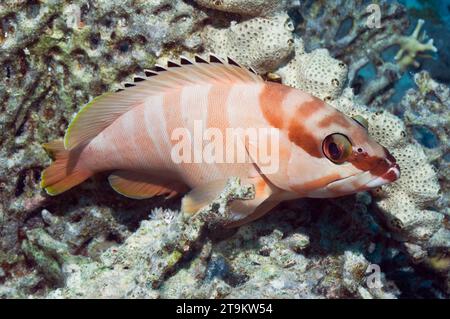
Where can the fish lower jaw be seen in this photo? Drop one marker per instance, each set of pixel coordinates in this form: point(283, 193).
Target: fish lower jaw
point(391, 175)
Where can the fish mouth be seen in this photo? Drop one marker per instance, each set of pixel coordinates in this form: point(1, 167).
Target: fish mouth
point(389, 176)
point(367, 180)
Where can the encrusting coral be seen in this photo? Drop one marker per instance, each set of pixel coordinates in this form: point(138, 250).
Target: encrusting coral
point(426, 112)
point(90, 242)
point(262, 43)
point(245, 7)
point(403, 202)
point(316, 72)
point(54, 58)
point(140, 268)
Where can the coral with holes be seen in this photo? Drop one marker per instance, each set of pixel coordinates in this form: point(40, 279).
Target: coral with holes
point(315, 72)
point(404, 202)
point(260, 43)
point(55, 57)
point(255, 8)
point(412, 207)
point(426, 111)
point(256, 262)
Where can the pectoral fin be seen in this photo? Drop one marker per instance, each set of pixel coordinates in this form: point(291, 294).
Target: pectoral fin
point(202, 196)
point(243, 211)
point(258, 212)
point(141, 186)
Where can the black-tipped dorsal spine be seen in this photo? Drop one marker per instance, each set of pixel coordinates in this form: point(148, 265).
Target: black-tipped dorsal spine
point(232, 62)
point(138, 79)
point(149, 73)
point(214, 59)
point(199, 59)
point(159, 68)
point(185, 61)
point(172, 64)
point(252, 70)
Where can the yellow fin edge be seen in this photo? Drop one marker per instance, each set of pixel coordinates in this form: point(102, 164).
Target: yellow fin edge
point(83, 110)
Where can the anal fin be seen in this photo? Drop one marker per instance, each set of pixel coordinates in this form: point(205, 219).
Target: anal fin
point(137, 185)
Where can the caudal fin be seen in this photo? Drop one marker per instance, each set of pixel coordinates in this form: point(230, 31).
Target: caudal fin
point(62, 174)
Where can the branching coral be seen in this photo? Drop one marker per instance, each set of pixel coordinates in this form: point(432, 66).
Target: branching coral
point(347, 30)
point(412, 46)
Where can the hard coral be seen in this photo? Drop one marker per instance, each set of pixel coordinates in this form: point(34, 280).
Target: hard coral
point(348, 31)
point(261, 43)
point(426, 111)
point(55, 57)
point(411, 47)
point(316, 72)
point(64, 54)
point(403, 202)
point(255, 8)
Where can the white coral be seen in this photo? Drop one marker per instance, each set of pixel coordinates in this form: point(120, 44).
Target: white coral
point(317, 72)
point(245, 7)
point(404, 201)
point(412, 46)
point(261, 43)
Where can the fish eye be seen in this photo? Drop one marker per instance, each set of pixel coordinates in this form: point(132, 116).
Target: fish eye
point(361, 121)
point(337, 148)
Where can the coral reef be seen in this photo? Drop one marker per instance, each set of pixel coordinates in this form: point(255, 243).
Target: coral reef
point(426, 112)
point(55, 57)
point(316, 72)
point(257, 261)
point(351, 33)
point(256, 8)
point(91, 242)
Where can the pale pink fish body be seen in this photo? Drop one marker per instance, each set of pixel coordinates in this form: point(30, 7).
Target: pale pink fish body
point(322, 152)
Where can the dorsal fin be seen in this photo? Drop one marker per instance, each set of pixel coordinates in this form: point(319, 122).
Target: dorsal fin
point(214, 59)
point(102, 111)
point(199, 59)
point(185, 61)
point(172, 64)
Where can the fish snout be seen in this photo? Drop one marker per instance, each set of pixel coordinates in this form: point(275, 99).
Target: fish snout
point(392, 174)
point(393, 171)
point(386, 171)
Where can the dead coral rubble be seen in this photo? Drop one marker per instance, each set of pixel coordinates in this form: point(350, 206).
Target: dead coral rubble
point(148, 256)
point(55, 57)
point(270, 265)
